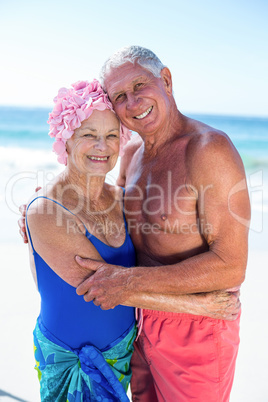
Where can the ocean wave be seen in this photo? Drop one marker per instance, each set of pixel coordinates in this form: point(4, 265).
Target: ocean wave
point(256, 138)
point(22, 170)
point(16, 158)
point(254, 162)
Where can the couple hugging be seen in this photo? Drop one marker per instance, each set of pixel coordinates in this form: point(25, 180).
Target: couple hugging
point(165, 242)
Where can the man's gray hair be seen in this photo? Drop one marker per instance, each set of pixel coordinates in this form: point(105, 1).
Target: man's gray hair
point(144, 57)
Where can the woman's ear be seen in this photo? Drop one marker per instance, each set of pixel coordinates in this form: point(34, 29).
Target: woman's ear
point(67, 147)
point(167, 79)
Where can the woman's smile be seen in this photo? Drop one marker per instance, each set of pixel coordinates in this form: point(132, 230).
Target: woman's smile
point(98, 158)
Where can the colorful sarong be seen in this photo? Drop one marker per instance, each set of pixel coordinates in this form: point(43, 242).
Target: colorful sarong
point(87, 374)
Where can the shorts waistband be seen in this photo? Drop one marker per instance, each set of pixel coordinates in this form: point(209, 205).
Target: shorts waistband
point(177, 316)
point(141, 314)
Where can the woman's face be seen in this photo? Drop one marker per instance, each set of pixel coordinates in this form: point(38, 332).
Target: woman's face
point(94, 146)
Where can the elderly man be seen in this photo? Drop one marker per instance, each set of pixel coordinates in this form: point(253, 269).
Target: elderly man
point(188, 210)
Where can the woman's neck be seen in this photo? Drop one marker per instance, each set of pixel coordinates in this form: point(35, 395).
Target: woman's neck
point(80, 184)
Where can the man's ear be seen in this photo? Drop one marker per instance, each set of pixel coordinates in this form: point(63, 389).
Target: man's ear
point(167, 79)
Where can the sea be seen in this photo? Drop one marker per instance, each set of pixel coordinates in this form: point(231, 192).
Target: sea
point(27, 160)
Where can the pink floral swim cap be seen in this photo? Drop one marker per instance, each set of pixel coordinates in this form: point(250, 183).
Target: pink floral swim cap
point(74, 105)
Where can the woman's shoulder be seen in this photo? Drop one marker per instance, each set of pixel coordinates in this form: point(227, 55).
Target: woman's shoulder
point(117, 192)
point(44, 196)
point(45, 209)
point(36, 201)
point(51, 224)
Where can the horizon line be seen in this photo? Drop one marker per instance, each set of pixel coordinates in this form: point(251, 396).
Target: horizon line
point(216, 114)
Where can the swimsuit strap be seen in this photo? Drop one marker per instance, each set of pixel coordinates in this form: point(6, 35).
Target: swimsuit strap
point(87, 232)
point(91, 236)
point(47, 198)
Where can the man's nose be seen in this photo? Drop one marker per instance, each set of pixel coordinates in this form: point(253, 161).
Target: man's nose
point(133, 101)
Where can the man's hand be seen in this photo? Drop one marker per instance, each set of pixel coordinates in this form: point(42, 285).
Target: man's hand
point(21, 223)
point(107, 287)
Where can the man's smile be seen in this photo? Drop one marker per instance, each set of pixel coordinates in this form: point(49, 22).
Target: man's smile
point(141, 116)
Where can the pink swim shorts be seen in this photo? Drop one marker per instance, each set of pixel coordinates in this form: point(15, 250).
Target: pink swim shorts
point(183, 357)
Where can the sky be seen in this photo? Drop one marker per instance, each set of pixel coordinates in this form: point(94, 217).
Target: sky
point(217, 51)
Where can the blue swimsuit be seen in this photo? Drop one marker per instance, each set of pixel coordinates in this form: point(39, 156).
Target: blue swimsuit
point(70, 322)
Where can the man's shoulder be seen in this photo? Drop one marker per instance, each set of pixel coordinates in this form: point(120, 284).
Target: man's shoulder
point(210, 151)
point(133, 145)
point(129, 151)
point(131, 148)
point(206, 139)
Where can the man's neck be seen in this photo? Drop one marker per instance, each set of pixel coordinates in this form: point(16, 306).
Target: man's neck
point(155, 141)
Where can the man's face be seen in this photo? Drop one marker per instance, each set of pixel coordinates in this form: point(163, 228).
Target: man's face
point(140, 100)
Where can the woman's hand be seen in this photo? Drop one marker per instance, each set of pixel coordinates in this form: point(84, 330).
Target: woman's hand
point(220, 304)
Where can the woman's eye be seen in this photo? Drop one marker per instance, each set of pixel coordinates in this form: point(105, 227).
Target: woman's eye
point(89, 135)
point(112, 136)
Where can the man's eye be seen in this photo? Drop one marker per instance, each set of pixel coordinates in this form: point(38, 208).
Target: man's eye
point(139, 85)
point(119, 97)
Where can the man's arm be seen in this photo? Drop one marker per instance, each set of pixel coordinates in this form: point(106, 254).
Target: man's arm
point(21, 221)
point(129, 150)
point(224, 207)
point(218, 304)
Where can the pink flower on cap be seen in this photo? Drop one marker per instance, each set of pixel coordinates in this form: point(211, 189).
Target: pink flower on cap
point(74, 105)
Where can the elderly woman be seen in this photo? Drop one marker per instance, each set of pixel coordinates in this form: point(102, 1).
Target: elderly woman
point(82, 352)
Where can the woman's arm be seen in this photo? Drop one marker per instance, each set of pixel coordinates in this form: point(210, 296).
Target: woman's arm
point(57, 237)
point(223, 305)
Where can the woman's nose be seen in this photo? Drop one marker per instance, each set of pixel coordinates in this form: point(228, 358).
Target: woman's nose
point(100, 144)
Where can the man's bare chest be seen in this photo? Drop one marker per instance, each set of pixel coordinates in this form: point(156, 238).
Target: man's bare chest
point(162, 216)
point(160, 197)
